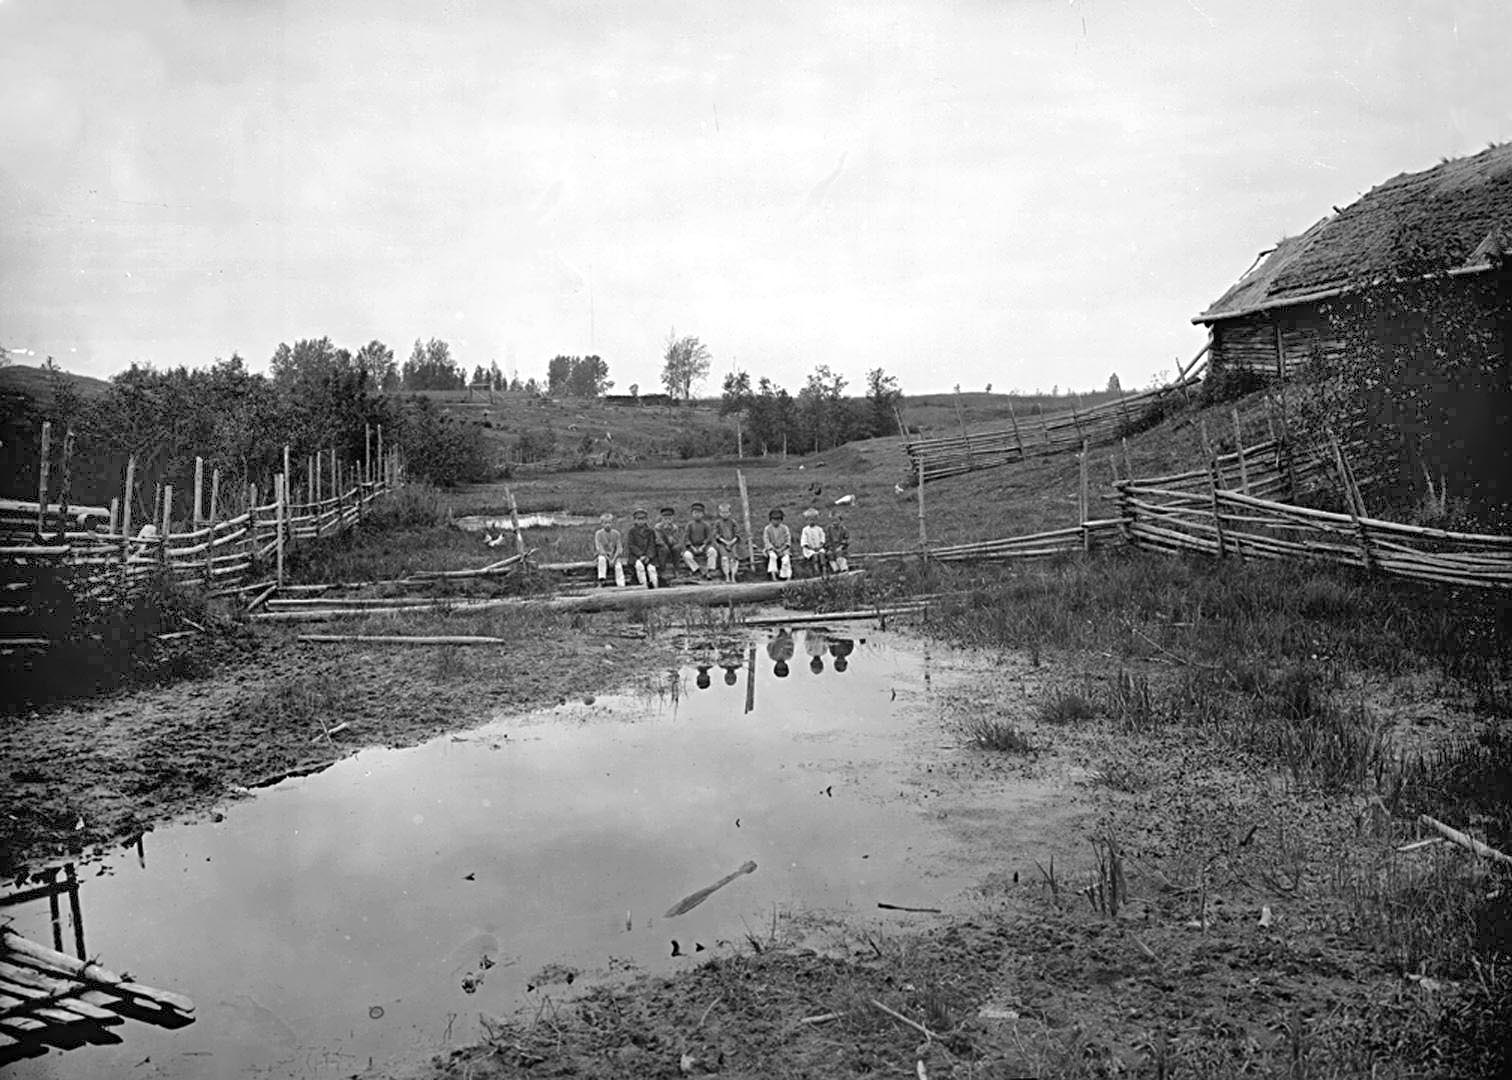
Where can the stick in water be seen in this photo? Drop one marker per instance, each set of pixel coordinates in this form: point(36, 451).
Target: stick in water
point(691, 901)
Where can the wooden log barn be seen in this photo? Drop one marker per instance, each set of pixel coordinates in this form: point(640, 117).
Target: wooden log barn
point(1451, 224)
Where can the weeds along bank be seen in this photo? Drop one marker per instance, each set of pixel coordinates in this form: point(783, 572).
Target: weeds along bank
point(1345, 710)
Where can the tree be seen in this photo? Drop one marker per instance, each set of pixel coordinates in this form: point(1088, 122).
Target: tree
point(589, 377)
point(735, 396)
point(495, 376)
point(377, 360)
point(822, 409)
point(686, 363)
point(558, 372)
point(430, 367)
point(882, 397)
point(1114, 386)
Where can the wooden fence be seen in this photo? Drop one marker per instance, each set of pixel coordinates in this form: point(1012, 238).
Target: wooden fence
point(1238, 507)
point(936, 458)
point(116, 561)
point(1231, 524)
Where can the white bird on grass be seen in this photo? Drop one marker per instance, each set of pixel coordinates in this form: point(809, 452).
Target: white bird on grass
point(845, 500)
point(493, 541)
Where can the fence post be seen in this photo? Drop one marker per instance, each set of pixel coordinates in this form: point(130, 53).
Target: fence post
point(1239, 447)
point(1017, 438)
point(514, 520)
point(167, 524)
point(923, 535)
point(126, 517)
point(66, 490)
point(1354, 502)
point(210, 535)
point(380, 446)
point(115, 514)
point(126, 495)
point(367, 451)
point(280, 493)
point(1213, 480)
point(44, 463)
point(745, 507)
point(199, 491)
point(1086, 533)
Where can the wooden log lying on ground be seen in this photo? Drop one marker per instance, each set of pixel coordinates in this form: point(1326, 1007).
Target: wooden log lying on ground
point(402, 639)
point(797, 618)
point(1464, 840)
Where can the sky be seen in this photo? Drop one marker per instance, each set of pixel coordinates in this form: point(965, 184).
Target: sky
point(1026, 193)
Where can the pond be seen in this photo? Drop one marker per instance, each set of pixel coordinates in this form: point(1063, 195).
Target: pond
point(494, 523)
point(370, 912)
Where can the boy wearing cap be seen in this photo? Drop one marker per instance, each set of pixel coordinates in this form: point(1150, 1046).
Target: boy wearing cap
point(811, 541)
point(727, 543)
point(609, 551)
point(837, 540)
point(698, 540)
point(668, 542)
point(777, 542)
point(640, 545)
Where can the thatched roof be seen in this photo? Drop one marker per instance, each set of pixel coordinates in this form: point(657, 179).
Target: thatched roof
point(1455, 218)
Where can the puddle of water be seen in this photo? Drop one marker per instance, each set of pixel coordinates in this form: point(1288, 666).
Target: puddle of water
point(485, 523)
point(345, 916)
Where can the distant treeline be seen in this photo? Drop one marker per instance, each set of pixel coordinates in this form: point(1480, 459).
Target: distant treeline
point(317, 397)
point(819, 417)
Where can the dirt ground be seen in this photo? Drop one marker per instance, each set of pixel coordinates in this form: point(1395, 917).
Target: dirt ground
point(102, 770)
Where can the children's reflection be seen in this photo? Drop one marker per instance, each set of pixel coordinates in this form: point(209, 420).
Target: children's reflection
point(780, 651)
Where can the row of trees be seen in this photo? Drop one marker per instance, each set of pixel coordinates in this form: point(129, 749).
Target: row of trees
point(819, 417)
point(315, 397)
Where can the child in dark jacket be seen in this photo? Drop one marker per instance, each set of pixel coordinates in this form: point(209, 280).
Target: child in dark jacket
point(640, 546)
point(699, 552)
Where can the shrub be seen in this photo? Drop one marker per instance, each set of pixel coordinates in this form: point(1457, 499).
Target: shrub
point(994, 733)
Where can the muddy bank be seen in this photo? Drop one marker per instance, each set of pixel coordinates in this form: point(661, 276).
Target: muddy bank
point(102, 770)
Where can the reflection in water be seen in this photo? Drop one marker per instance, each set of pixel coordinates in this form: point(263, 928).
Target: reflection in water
point(359, 913)
point(780, 651)
point(47, 886)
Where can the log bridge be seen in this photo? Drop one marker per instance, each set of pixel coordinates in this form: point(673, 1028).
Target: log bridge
point(49, 999)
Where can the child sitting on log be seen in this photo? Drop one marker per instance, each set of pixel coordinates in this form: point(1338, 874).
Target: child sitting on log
point(777, 542)
point(609, 550)
point(811, 540)
point(668, 543)
point(837, 541)
point(726, 543)
point(698, 543)
point(641, 547)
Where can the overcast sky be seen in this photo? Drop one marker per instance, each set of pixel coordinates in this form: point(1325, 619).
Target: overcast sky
point(1020, 192)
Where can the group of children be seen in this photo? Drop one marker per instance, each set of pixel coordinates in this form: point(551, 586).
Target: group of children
point(712, 548)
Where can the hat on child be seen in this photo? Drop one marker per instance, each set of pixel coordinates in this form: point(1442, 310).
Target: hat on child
point(724, 508)
point(775, 515)
point(605, 518)
point(811, 513)
point(639, 511)
point(667, 511)
point(697, 506)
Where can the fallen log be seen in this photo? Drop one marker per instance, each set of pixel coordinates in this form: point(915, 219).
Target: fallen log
point(1464, 840)
point(402, 639)
point(833, 616)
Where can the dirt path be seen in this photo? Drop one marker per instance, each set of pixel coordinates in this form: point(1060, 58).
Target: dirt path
point(105, 769)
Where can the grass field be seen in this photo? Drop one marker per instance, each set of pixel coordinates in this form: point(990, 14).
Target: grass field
point(1040, 494)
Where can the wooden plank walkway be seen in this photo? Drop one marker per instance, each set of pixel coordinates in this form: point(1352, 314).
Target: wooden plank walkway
point(50, 999)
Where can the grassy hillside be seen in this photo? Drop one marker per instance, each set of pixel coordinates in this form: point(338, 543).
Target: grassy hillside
point(37, 384)
point(1040, 494)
